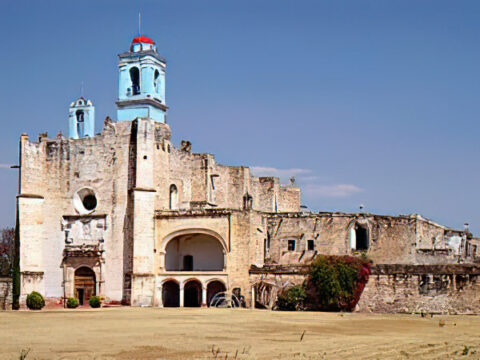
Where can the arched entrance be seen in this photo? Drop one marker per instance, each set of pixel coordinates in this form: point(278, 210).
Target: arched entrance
point(192, 294)
point(171, 294)
point(84, 284)
point(213, 288)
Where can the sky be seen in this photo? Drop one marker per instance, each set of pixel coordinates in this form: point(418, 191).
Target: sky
point(363, 102)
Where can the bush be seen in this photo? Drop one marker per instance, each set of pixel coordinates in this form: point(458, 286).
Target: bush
point(95, 301)
point(292, 299)
point(72, 303)
point(338, 281)
point(35, 301)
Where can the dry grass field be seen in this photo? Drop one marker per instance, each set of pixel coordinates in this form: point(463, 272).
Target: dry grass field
point(146, 333)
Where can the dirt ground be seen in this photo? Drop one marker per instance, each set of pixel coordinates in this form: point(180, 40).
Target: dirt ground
point(149, 333)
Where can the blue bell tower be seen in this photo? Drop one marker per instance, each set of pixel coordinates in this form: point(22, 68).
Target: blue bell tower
point(81, 119)
point(141, 86)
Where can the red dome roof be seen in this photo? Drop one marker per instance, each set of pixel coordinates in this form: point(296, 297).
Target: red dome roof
point(142, 39)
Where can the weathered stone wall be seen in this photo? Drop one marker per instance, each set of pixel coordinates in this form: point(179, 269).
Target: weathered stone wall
point(453, 288)
point(392, 239)
point(6, 293)
point(52, 171)
point(431, 290)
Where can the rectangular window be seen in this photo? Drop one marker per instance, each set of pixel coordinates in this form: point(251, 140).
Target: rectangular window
point(310, 245)
point(291, 245)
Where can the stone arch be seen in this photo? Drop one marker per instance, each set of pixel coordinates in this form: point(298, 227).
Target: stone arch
point(214, 286)
point(358, 235)
point(190, 231)
point(192, 293)
point(170, 293)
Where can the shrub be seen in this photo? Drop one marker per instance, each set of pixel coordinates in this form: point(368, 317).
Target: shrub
point(95, 301)
point(292, 298)
point(35, 301)
point(72, 303)
point(338, 281)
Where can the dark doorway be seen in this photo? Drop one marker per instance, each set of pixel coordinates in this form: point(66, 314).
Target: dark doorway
point(361, 236)
point(135, 78)
point(192, 294)
point(188, 263)
point(171, 294)
point(214, 288)
point(84, 284)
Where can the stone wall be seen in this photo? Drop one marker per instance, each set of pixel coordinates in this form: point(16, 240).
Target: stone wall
point(392, 288)
point(453, 289)
point(6, 293)
point(408, 239)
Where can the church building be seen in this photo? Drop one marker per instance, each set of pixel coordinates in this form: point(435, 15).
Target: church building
point(126, 215)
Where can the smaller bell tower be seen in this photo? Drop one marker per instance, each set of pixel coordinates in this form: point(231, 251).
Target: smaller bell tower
point(81, 119)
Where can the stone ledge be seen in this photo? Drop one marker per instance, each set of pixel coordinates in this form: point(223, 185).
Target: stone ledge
point(191, 213)
point(30, 196)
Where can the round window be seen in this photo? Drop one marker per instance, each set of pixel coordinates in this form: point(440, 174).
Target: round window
point(84, 201)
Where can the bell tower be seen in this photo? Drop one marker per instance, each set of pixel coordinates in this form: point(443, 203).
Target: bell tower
point(81, 119)
point(141, 85)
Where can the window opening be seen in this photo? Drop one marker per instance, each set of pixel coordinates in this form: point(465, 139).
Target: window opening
point(310, 245)
point(291, 245)
point(173, 197)
point(135, 78)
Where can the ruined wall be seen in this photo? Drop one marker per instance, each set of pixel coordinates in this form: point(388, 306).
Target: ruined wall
point(6, 293)
point(431, 290)
point(391, 239)
point(202, 182)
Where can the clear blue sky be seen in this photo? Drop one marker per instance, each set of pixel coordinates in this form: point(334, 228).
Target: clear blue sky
point(372, 102)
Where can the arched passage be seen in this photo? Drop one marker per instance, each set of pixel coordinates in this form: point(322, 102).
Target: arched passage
point(171, 294)
point(213, 288)
point(192, 294)
point(194, 252)
point(84, 284)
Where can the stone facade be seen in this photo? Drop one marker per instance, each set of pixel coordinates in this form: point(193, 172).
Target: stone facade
point(127, 215)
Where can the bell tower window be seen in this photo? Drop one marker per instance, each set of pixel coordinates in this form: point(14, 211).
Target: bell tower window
point(80, 122)
point(156, 81)
point(135, 79)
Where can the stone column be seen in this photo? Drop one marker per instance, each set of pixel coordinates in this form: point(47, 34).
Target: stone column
point(204, 296)
point(252, 305)
point(160, 296)
point(162, 260)
point(181, 295)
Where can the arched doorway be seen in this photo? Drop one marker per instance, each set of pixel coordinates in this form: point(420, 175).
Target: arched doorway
point(361, 237)
point(171, 294)
point(213, 288)
point(84, 284)
point(192, 294)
